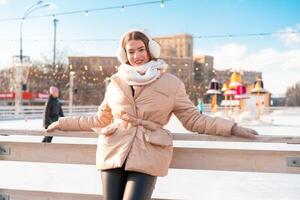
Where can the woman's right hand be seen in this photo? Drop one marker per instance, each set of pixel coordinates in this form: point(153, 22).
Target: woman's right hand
point(53, 126)
point(243, 132)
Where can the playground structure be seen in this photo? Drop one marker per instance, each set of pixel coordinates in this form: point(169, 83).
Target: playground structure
point(259, 91)
point(240, 98)
point(213, 92)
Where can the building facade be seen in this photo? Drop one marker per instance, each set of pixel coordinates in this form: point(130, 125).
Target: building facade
point(178, 46)
point(176, 50)
point(202, 74)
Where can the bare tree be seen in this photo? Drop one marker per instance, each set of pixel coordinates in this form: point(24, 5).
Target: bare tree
point(293, 95)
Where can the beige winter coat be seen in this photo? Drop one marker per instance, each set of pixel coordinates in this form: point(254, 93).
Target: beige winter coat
point(131, 128)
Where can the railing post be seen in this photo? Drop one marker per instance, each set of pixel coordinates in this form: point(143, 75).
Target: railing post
point(71, 92)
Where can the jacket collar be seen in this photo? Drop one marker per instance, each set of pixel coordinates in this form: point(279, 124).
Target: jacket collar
point(124, 88)
point(127, 91)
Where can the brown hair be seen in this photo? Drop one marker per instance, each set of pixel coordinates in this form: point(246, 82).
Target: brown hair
point(136, 35)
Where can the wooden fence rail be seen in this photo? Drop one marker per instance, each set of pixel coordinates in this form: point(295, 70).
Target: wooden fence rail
point(223, 159)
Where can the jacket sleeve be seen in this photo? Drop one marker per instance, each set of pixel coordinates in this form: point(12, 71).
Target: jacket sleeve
point(61, 113)
point(47, 119)
point(102, 118)
point(193, 121)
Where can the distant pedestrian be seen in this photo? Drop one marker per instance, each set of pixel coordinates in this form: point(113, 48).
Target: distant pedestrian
point(200, 106)
point(52, 111)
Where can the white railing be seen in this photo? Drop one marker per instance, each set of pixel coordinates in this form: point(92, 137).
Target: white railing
point(8, 112)
point(224, 159)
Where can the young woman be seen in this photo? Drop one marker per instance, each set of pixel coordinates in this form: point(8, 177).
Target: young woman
point(133, 147)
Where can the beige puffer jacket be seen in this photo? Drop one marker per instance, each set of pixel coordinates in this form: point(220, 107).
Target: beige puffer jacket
point(131, 128)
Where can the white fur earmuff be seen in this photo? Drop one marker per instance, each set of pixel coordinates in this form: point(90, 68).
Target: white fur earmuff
point(154, 47)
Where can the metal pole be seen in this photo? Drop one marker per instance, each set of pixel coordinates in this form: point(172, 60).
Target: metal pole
point(71, 92)
point(19, 68)
point(54, 45)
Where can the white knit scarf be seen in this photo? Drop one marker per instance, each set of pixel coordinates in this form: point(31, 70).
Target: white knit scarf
point(141, 75)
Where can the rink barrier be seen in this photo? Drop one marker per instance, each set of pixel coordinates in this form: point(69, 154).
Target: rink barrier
point(226, 158)
point(8, 112)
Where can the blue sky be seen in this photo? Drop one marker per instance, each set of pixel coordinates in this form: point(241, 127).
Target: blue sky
point(273, 55)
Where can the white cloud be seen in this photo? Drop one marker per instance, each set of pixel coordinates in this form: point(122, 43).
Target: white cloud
point(52, 6)
point(280, 68)
point(6, 53)
point(3, 2)
point(229, 55)
point(290, 39)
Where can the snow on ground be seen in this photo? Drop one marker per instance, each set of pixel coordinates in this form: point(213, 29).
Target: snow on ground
point(182, 184)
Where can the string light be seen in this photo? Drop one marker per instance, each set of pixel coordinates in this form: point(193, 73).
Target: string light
point(89, 10)
point(230, 36)
point(86, 13)
point(162, 5)
point(123, 8)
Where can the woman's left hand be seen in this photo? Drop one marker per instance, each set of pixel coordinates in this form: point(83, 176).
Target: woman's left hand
point(53, 126)
point(243, 132)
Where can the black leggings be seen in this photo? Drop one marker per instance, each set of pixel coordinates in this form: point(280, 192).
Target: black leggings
point(47, 139)
point(119, 184)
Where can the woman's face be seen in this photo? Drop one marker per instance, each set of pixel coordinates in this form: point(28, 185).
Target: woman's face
point(55, 94)
point(136, 53)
